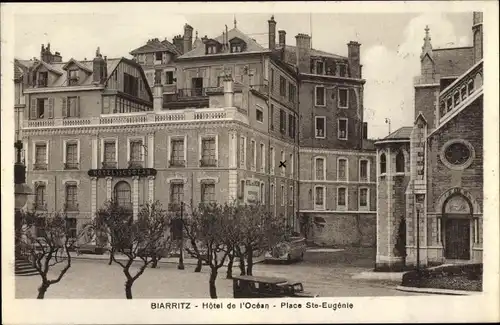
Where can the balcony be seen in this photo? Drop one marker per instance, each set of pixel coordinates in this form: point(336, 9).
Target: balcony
point(177, 163)
point(109, 164)
point(461, 92)
point(150, 117)
point(206, 162)
point(40, 166)
point(71, 166)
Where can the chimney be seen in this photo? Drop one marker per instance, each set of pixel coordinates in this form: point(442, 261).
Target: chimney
point(282, 38)
point(99, 68)
point(188, 38)
point(57, 57)
point(228, 91)
point(365, 130)
point(272, 33)
point(157, 92)
point(45, 54)
point(353, 56)
point(303, 52)
point(477, 35)
point(179, 43)
point(245, 99)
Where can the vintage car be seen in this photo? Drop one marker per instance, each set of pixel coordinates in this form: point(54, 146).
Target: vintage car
point(246, 286)
point(290, 250)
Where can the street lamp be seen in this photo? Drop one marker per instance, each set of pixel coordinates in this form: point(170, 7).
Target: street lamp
point(180, 266)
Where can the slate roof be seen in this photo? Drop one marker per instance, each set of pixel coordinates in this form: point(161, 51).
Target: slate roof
point(156, 45)
point(314, 52)
point(453, 61)
point(251, 46)
point(402, 133)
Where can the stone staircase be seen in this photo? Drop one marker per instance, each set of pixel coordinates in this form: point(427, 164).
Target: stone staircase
point(23, 267)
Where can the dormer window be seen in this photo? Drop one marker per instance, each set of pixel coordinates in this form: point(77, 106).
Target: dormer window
point(237, 45)
point(235, 48)
point(158, 56)
point(43, 78)
point(343, 70)
point(72, 77)
point(319, 67)
point(211, 49)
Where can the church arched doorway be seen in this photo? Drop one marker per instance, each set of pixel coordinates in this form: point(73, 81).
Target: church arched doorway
point(457, 224)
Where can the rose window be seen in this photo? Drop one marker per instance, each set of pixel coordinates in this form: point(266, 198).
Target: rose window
point(457, 153)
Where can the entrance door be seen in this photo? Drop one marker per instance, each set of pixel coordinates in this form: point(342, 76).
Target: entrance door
point(197, 87)
point(457, 239)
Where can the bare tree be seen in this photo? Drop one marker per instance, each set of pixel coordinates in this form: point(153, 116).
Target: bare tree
point(46, 241)
point(143, 239)
point(209, 228)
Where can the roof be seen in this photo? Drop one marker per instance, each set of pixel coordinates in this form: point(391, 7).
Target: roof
point(155, 45)
point(251, 45)
point(402, 133)
point(264, 279)
point(315, 52)
point(453, 61)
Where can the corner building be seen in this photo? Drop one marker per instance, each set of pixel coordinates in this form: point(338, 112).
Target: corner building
point(430, 175)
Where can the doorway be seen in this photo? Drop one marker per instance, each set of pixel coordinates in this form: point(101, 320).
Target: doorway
point(197, 86)
point(457, 238)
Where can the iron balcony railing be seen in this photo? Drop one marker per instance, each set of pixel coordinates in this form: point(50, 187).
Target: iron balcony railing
point(109, 164)
point(191, 93)
point(206, 162)
point(40, 166)
point(71, 165)
point(177, 163)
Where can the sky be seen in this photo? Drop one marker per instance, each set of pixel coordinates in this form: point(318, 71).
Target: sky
point(390, 42)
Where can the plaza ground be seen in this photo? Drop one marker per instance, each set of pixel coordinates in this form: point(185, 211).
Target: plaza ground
point(329, 274)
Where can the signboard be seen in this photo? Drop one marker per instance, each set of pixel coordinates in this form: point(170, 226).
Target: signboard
point(129, 172)
point(252, 191)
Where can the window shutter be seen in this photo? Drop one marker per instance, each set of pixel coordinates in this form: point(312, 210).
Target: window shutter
point(50, 112)
point(77, 108)
point(33, 109)
point(64, 107)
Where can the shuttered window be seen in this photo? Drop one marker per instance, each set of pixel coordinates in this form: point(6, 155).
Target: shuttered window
point(71, 196)
point(71, 107)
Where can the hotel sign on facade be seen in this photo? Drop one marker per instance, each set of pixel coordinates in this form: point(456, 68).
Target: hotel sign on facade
point(252, 191)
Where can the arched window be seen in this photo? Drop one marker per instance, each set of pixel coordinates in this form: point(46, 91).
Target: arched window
point(40, 197)
point(123, 194)
point(383, 169)
point(400, 162)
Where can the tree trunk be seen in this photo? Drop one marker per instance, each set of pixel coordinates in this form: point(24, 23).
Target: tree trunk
point(111, 254)
point(42, 290)
point(242, 265)
point(229, 274)
point(128, 289)
point(249, 260)
point(155, 262)
point(198, 265)
point(212, 288)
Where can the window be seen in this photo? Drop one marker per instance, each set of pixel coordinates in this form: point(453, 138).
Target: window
point(343, 70)
point(211, 49)
point(282, 160)
point(136, 157)
point(463, 93)
point(208, 157)
point(43, 79)
point(320, 125)
point(291, 126)
point(282, 121)
point(123, 195)
point(282, 86)
point(130, 84)
point(40, 156)
point(272, 117)
point(341, 197)
point(272, 195)
point(242, 189)
point(109, 160)
point(40, 227)
point(400, 162)
point(342, 135)
point(319, 67)
point(253, 154)
point(363, 170)
point(283, 195)
point(320, 169)
point(158, 56)
point(290, 196)
point(71, 155)
point(291, 92)
point(456, 98)
point(259, 115)
point(290, 162)
point(272, 80)
point(72, 107)
point(470, 86)
point(71, 197)
point(273, 160)
point(176, 196)
point(342, 170)
point(262, 193)
point(382, 164)
point(262, 158)
point(207, 193)
point(177, 153)
point(40, 197)
point(243, 149)
point(236, 48)
point(41, 107)
point(71, 226)
point(343, 98)
point(363, 197)
point(169, 77)
point(320, 96)
point(72, 77)
point(319, 197)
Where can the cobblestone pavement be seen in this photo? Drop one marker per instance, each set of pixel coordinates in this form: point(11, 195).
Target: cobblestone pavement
point(326, 274)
